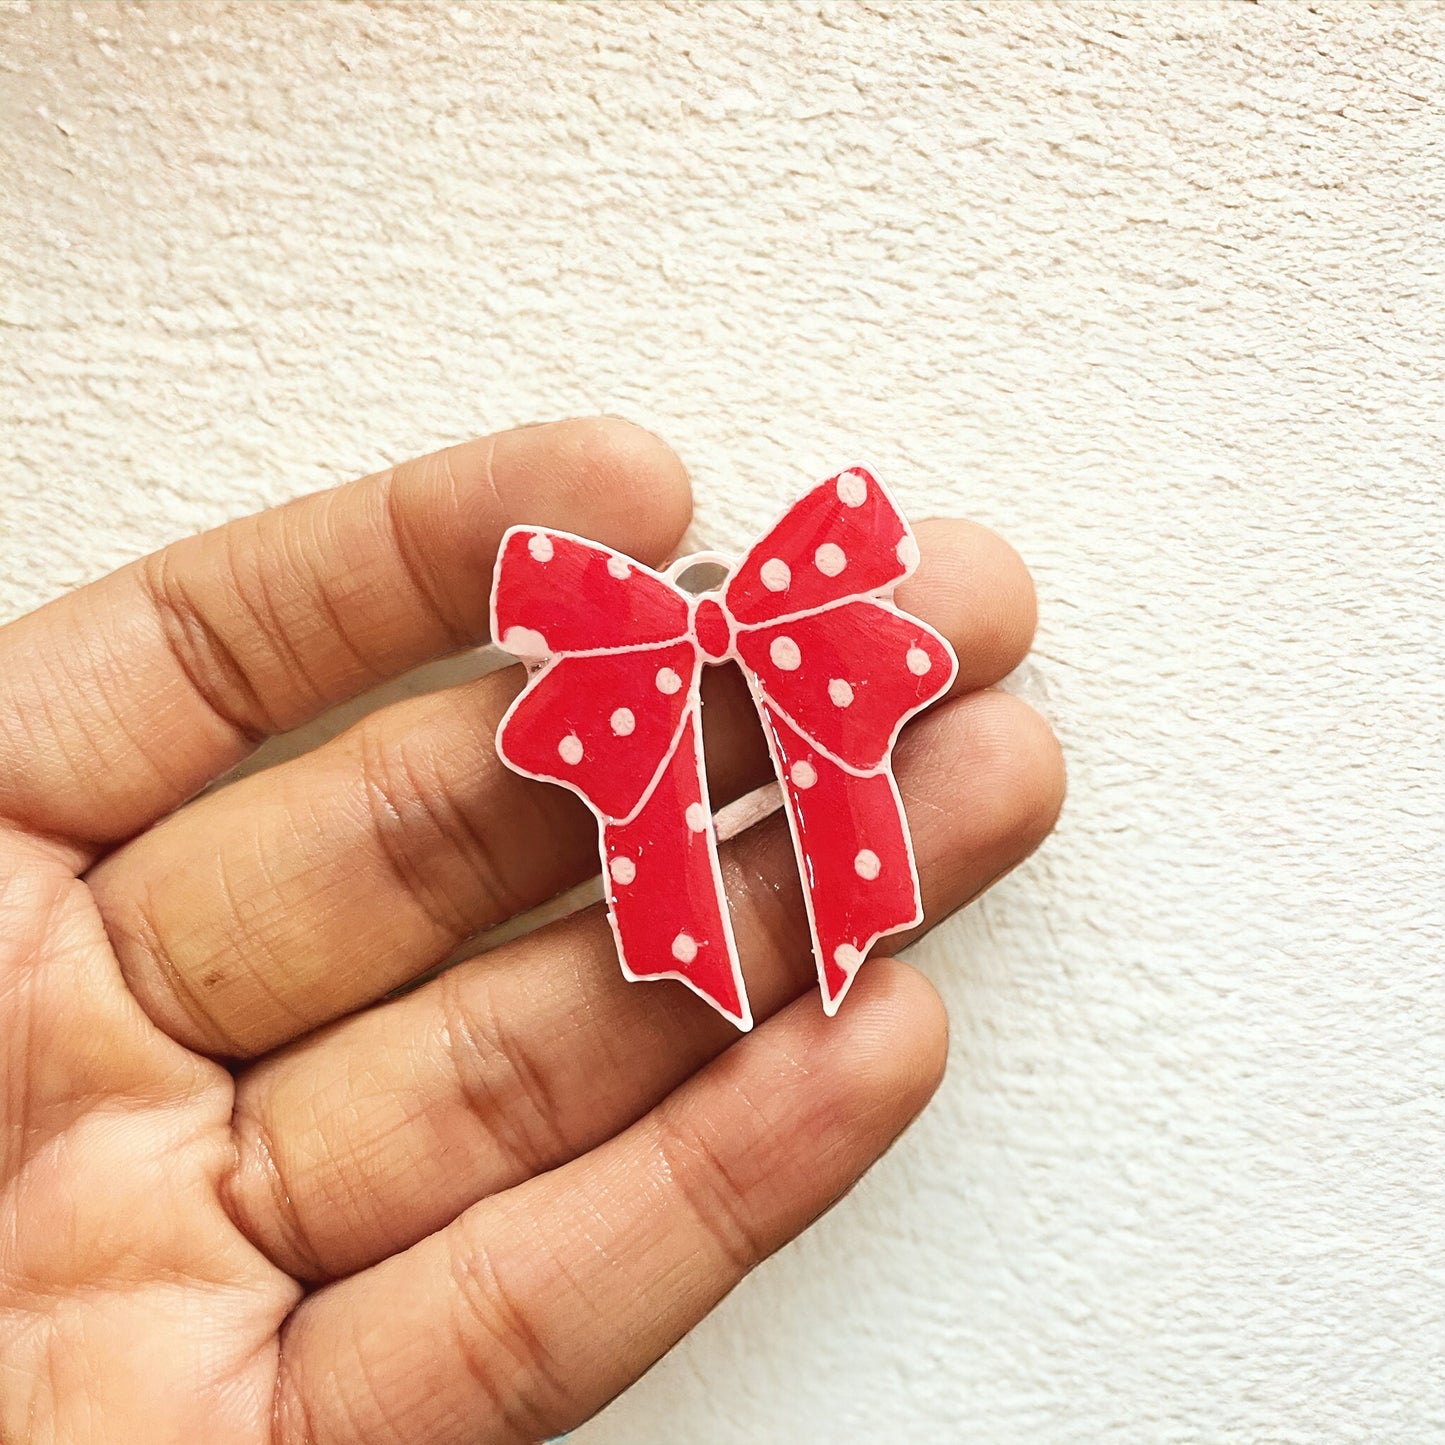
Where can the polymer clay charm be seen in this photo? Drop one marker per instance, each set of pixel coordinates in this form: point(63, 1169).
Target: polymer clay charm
point(611, 710)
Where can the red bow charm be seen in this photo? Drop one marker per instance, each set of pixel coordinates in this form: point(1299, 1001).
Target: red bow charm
point(612, 711)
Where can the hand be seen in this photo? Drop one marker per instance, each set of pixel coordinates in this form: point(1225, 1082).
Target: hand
point(476, 1211)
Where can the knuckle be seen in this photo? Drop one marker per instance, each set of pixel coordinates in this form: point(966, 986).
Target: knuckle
point(207, 977)
point(205, 656)
point(715, 1196)
point(400, 813)
point(423, 834)
point(500, 1082)
point(159, 980)
point(259, 1198)
point(502, 1348)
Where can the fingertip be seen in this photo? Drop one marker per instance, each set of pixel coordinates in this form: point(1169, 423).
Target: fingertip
point(1006, 756)
point(599, 477)
point(1022, 755)
point(975, 589)
point(617, 482)
point(875, 1063)
point(893, 1028)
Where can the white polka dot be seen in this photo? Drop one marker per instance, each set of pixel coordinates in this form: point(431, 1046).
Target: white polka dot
point(867, 865)
point(803, 774)
point(618, 567)
point(623, 870)
point(776, 574)
point(623, 722)
point(830, 559)
point(525, 642)
point(540, 546)
point(907, 551)
point(847, 958)
point(919, 661)
point(570, 749)
point(852, 490)
point(667, 681)
point(696, 816)
point(785, 654)
point(840, 692)
point(684, 948)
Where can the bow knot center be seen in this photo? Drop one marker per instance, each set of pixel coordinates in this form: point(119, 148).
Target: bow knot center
point(712, 628)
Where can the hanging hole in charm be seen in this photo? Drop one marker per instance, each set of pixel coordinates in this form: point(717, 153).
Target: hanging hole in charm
point(702, 572)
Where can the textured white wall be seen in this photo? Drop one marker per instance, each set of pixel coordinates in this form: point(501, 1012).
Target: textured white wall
point(1158, 290)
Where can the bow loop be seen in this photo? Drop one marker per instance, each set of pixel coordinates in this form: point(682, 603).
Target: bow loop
point(603, 725)
point(845, 538)
point(848, 677)
point(554, 593)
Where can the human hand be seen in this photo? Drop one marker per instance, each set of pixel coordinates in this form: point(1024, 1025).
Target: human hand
point(476, 1211)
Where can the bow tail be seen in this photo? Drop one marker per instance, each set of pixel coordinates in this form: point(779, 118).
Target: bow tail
point(854, 853)
point(664, 887)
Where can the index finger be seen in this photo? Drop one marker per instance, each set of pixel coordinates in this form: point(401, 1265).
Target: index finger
point(126, 697)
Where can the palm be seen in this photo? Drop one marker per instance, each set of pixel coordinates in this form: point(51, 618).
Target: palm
point(178, 1340)
point(475, 1211)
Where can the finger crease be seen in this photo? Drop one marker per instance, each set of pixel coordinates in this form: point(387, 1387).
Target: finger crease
point(271, 628)
point(291, 1422)
point(364, 666)
point(452, 822)
point(205, 659)
point(493, 1326)
point(712, 1194)
point(499, 1083)
point(254, 1138)
point(413, 571)
point(390, 827)
point(156, 971)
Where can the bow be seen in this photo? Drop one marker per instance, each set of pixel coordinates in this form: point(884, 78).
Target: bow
point(611, 710)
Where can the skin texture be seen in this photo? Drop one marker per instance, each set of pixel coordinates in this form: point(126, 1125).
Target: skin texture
point(243, 1198)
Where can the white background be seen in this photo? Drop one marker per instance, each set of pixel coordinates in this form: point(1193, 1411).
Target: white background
point(1158, 290)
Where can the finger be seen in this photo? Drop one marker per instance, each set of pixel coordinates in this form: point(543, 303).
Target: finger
point(123, 699)
point(297, 895)
point(534, 1308)
point(363, 1139)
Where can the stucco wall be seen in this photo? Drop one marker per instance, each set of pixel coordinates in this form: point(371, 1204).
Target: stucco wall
point(1156, 289)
